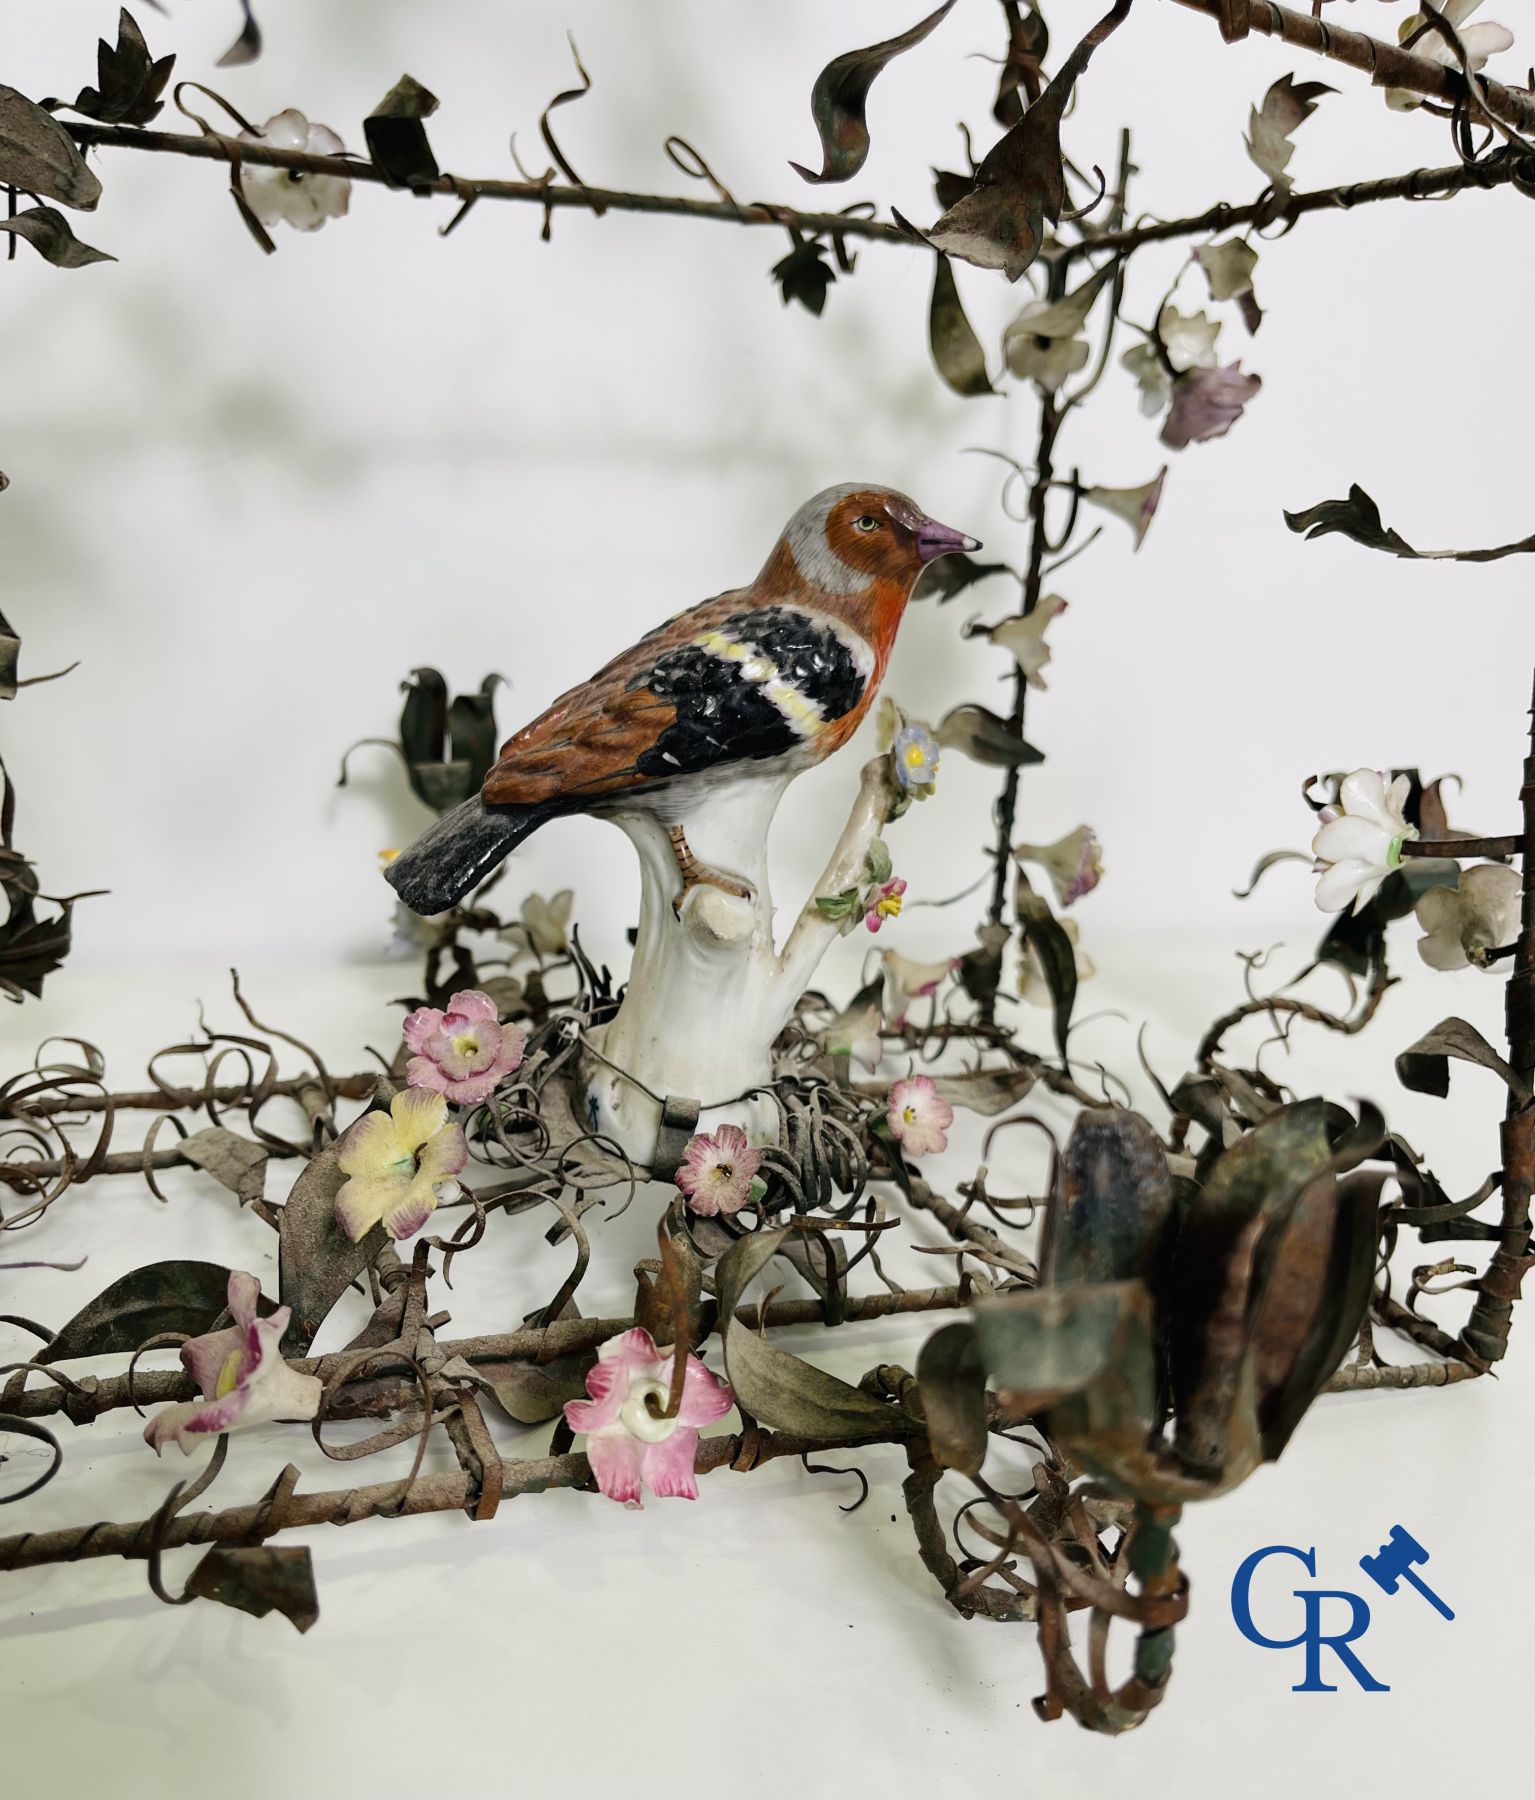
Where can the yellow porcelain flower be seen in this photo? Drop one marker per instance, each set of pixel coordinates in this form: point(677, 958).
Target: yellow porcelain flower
point(398, 1165)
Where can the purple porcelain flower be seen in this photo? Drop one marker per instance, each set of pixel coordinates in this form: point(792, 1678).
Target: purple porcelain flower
point(627, 1440)
point(718, 1171)
point(241, 1373)
point(462, 1052)
point(918, 1116)
point(1206, 404)
point(885, 903)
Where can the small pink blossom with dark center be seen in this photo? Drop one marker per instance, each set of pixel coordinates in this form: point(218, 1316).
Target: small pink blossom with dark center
point(461, 1052)
point(885, 903)
point(919, 1117)
point(241, 1373)
point(1206, 404)
point(718, 1171)
point(628, 1441)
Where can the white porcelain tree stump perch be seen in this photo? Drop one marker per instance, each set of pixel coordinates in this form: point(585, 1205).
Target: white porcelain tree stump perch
point(709, 990)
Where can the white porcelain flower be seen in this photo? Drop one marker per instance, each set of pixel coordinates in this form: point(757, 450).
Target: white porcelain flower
point(1481, 41)
point(1360, 840)
point(1023, 638)
point(294, 196)
point(1189, 342)
point(1041, 345)
point(1464, 922)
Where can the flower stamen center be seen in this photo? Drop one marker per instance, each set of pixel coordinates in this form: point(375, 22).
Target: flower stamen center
point(641, 1413)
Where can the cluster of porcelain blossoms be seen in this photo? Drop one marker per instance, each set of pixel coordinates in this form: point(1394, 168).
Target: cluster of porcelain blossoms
point(1359, 844)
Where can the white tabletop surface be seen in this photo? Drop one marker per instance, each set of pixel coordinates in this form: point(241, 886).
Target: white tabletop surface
point(759, 1642)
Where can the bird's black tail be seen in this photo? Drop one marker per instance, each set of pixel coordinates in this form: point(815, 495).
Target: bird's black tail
point(458, 852)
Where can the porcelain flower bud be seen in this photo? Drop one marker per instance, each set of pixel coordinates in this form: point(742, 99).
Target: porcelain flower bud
point(915, 754)
point(919, 1118)
point(1074, 863)
point(1464, 922)
point(885, 903)
point(628, 1443)
point(718, 1173)
point(1137, 506)
point(294, 196)
point(398, 1165)
point(1481, 41)
point(242, 1375)
point(1206, 404)
point(906, 980)
point(1360, 839)
point(461, 1051)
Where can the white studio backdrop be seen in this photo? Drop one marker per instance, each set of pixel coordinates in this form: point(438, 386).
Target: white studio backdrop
point(251, 493)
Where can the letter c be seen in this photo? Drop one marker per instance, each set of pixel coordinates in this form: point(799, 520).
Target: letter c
point(1241, 1595)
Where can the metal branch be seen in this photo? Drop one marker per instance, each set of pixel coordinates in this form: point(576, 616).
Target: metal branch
point(1497, 170)
point(216, 148)
point(1385, 64)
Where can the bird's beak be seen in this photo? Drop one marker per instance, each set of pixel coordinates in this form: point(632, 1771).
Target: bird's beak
point(935, 540)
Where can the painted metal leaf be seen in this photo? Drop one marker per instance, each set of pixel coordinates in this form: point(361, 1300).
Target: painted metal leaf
point(956, 349)
point(1271, 127)
point(781, 1390)
point(1113, 1201)
point(397, 139)
point(952, 1381)
point(533, 1392)
point(1358, 518)
point(39, 156)
point(1040, 1349)
point(239, 1163)
point(182, 1296)
point(805, 275)
point(1315, 1293)
point(1251, 1183)
point(840, 94)
point(1046, 936)
point(247, 46)
point(316, 1260)
point(1021, 182)
point(129, 81)
point(1028, 44)
point(47, 230)
point(951, 575)
point(984, 737)
point(258, 1579)
point(10, 657)
point(1425, 1066)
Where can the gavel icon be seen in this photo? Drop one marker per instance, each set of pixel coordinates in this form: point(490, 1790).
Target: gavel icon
point(1393, 1564)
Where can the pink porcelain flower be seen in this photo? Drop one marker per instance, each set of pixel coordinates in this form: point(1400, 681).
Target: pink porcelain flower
point(462, 1052)
point(398, 1165)
point(919, 1117)
point(241, 1373)
point(627, 1441)
point(885, 903)
point(719, 1171)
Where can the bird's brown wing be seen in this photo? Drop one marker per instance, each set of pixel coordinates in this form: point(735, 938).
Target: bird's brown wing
point(587, 743)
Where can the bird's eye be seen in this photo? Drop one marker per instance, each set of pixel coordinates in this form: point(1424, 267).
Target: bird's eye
point(867, 523)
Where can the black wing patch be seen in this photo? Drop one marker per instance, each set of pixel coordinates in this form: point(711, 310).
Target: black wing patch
point(724, 713)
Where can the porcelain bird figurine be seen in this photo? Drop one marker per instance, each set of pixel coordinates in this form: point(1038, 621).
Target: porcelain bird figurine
point(765, 680)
